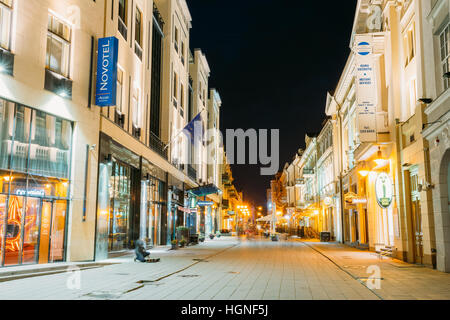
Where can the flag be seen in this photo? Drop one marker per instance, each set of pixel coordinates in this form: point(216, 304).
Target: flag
point(194, 128)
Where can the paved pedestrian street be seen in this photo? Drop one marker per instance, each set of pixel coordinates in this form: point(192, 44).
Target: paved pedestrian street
point(232, 269)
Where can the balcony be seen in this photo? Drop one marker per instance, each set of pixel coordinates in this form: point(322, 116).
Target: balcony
point(6, 62)
point(192, 173)
point(138, 50)
point(123, 29)
point(300, 182)
point(58, 84)
point(308, 173)
point(158, 146)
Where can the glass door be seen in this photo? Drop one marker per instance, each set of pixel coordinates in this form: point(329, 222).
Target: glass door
point(46, 222)
point(3, 203)
point(13, 231)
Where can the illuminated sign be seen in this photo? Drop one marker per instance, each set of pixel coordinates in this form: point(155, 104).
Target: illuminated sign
point(366, 90)
point(384, 190)
point(30, 193)
point(205, 203)
point(108, 51)
point(359, 200)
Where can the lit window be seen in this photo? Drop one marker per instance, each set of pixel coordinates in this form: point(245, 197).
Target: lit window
point(5, 23)
point(445, 54)
point(58, 46)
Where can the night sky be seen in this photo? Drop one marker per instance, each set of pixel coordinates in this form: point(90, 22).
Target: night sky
point(272, 62)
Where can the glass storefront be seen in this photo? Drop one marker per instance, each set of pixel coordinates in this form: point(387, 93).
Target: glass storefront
point(153, 203)
point(132, 200)
point(34, 185)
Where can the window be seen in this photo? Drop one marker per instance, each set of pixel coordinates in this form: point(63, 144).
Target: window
point(156, 78)
point(123, 5)
point(182, 96)
point(413, 97)
point(176, 39)
point(136, 109)
point(445, 54)
point(119, 102)
point(175, 88)
point(138, 27)
point(183, 57)
point(409, 39)
point(58, 46)
point(5, 23)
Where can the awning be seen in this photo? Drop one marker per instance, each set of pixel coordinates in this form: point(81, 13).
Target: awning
point(203, 191)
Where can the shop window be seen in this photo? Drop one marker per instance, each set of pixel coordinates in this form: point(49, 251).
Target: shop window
point(444, 39)
point(5, 24)
point(58, 46)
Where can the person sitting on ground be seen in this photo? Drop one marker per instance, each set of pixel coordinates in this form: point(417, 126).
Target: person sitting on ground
point(140, 251)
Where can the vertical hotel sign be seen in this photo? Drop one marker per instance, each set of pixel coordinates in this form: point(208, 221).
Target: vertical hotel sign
point(366, 90)
point(106, 92)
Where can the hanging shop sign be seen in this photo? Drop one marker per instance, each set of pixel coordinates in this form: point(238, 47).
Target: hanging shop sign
point(183, 209)
point(108, 51)
point(384, 190)
point(366, 90)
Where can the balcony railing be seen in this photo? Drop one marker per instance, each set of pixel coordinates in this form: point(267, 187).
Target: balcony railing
point(192, 173)
point(308, 172)
point(123, 29)
point(6, 62)
point(138, 50)
point(158, 146)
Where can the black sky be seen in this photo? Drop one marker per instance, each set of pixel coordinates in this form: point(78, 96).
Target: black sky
point(273, 62)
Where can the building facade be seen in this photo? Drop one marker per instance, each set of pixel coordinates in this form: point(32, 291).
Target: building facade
point(80, 182)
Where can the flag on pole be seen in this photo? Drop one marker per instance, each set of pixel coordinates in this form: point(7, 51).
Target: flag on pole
point(194, 128)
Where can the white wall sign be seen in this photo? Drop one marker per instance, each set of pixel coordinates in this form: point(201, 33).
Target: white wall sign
point(366, 90)
point(384, 190)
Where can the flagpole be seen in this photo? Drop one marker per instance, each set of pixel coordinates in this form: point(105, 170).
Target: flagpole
point(167, 145)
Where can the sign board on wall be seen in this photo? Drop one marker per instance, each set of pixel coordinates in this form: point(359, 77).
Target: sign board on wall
point(108, 51)
point(384, 190)
point(366, 90)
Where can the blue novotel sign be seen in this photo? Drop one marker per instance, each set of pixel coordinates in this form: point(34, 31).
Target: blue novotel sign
point(106, 93)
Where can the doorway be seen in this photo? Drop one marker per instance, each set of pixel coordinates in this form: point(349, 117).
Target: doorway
point(32, 230)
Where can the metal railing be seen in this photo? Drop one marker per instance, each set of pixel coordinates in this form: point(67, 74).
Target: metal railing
point(158, 146)
point(192, 173)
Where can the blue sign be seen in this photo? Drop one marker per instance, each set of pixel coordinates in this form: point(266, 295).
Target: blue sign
point(108, 51)
point(205, 203)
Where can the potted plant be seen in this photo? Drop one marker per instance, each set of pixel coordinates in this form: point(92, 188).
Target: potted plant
point(183, 243)
point(218, 234)
point(201, 238)
point(274, 237)
point(211, 236)
point(174, 244)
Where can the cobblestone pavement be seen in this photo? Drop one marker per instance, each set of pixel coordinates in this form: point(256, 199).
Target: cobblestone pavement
point(227, 269)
